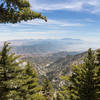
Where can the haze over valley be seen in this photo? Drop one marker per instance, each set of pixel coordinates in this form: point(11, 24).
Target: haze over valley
point(50, 57)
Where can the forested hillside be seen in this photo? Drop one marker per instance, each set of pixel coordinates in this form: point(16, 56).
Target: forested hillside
point(21, 80)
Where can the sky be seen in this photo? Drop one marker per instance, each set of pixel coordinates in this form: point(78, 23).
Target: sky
point(77, 19)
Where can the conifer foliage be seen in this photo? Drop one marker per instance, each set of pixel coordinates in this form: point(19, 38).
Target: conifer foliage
point(87, 89)
point(83, 84)
point(9, 73)
point(83, 79)
point(63, 93)
point(13, 11)
point(48, 89)
point(17, 81)
point(30, 89)
point(97, 61)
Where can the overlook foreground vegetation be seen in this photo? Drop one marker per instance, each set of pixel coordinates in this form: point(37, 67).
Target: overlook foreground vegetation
point(19, 80)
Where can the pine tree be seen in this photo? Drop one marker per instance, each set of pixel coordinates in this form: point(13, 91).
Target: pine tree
point(9, 74)
point(97, 57)
point(13, 11)
point(59, 96)
point(63, 93)
point(30, 89)
point(98, 84)
point(82, 81)
point(48, 90)
point(97, 62)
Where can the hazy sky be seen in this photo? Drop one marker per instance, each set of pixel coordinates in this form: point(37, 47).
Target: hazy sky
point(66, 19)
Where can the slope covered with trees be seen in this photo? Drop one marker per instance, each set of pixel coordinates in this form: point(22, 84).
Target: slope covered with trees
point(84, 83)
point(19, 80)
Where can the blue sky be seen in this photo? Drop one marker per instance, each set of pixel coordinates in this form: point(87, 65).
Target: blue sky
point(79, 19)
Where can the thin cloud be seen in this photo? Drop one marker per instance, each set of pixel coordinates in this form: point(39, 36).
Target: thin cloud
point(92, 6)
point(45, 32)
point(55, 6)
point(54, 22)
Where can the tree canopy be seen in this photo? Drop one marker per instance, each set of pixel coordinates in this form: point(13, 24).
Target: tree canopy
point(84, 83)
point(17, 81)
point(9, 74)
point(13, 11)
point(47, 89)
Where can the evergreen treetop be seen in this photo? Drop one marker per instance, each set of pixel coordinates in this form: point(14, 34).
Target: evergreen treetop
point(83, 84)
point(9, 74)
point(30, 89)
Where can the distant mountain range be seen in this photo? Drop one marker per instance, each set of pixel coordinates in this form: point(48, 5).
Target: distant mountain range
point(45, 46)
point(26, 42)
